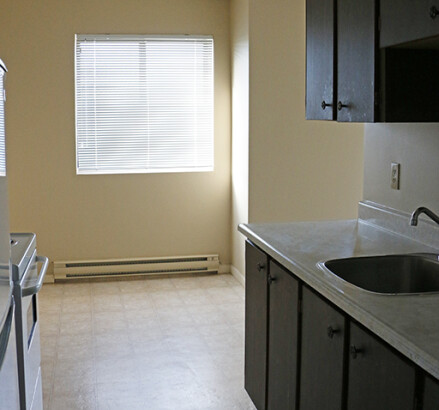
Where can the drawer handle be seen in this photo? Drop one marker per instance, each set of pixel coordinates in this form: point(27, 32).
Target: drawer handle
point(260, 266)
point(355, 351)
point(434, 12)
point(331, 332)
point(325, 104)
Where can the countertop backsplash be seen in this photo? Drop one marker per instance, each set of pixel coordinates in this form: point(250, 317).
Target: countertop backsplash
point(396, 221)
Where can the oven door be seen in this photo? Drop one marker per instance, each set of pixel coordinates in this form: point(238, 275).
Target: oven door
point(30, 285)
point(9, 396)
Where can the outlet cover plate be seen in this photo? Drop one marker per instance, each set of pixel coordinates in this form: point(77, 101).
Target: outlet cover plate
point(395, 175)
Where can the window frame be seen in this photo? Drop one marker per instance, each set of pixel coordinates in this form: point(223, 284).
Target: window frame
point(145, 170)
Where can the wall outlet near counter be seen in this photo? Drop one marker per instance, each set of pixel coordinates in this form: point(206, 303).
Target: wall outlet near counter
point(395, 175)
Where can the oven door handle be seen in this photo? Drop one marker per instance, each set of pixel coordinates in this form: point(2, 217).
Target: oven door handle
point(32, 290)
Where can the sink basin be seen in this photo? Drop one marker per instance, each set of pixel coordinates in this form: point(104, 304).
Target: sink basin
point(391, 274)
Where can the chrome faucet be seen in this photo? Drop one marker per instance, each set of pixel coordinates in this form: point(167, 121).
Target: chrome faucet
point(423, 210)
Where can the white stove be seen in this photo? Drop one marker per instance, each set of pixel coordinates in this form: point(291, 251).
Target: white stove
point(27, 283)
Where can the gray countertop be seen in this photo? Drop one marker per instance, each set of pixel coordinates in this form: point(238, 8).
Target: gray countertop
point(408, 323)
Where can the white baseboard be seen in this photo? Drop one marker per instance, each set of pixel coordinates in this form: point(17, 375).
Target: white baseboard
point(238, 275)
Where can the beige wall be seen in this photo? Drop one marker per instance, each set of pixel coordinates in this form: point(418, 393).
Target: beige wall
point(240, 49)
point(299, 170)
point(416, 148)
point(81, 217)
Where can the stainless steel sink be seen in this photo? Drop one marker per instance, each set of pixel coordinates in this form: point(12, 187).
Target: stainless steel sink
point(391, 274)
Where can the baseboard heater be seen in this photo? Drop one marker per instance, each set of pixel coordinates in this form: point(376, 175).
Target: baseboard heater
point(136, 267)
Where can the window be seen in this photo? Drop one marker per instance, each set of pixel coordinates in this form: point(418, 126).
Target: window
point(144, 104)
point(2, 123)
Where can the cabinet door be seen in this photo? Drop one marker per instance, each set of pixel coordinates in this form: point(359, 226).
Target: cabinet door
point(410, 85)
point(283, 339)
point(431, 394)
point(356, 61)
point(256, 302)
point(379, 379)
point(322, 354)
point(407, 20)
point(320, 60)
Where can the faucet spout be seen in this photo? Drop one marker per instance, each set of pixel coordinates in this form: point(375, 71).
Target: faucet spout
point(423, 210)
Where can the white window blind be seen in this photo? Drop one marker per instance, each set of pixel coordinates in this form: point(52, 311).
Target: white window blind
point(144, 104)
point(2, 126)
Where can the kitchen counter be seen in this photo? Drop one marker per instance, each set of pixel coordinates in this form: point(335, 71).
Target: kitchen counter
point(408, 323)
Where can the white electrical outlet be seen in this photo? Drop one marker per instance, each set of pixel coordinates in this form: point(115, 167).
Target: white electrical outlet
point(395, 175)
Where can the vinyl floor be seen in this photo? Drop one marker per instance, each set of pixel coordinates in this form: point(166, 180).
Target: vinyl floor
point(155, 344)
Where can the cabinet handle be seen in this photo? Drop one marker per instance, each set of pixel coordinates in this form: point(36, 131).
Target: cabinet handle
point(355, 351)
point(325, 104)
point(260, 266)
point(434, 12)
point(331, 332)
point(340, 105)
point(271, 279)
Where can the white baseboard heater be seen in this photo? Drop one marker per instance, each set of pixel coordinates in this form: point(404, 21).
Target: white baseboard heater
point(136, 267)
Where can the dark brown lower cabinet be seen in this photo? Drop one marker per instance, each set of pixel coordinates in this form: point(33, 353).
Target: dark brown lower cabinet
point(283, 320)
point(322, 354)
point(256, 309)
point(378, 378)
point(431, 394)
point(302, 353)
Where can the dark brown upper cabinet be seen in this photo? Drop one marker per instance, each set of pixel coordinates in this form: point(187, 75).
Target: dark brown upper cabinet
point(341, 62)
point(370, 61)
point(320, 64)
point(356, 61)
point(404, 21)
point(409, 41)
